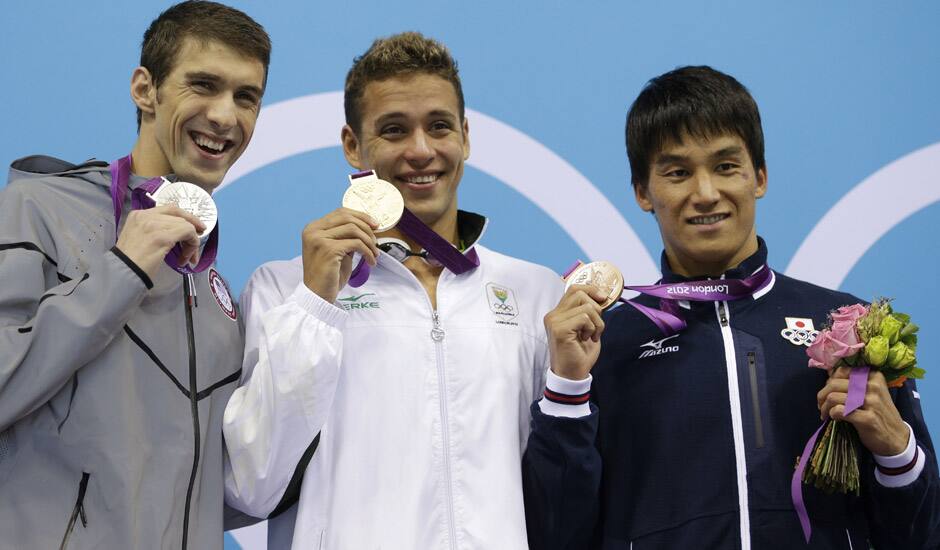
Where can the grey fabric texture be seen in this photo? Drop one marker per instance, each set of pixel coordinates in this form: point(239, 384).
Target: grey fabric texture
point(108, 425)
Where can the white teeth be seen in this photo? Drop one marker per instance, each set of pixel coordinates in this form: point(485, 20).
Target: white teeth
point(705, 220)
point(206, 142)
point(421, 179)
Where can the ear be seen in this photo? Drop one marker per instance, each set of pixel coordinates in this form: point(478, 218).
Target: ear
point(642, 195)
point(466, 139)
point(761, 189)
point(351, 147)
point(143, 91)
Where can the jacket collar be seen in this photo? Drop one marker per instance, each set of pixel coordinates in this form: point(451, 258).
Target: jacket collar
point(746, 268)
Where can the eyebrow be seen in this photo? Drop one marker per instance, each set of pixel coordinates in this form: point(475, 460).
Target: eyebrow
point(733, 150)
point(202, 75)
point(437, 113)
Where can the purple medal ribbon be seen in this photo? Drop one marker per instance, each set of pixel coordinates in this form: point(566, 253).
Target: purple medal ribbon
point(438, 247)
point(120, 174)
point(858, 383)
point(668, 317)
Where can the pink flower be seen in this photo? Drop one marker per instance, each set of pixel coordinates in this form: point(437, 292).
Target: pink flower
point(843, 331)
point(833, 345)
point(849, 313)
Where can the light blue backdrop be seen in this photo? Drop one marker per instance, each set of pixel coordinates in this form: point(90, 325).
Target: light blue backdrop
point(845, 89)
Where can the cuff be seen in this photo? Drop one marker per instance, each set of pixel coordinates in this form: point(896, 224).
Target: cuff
point(568, 398)
point(312, 303)
point(901, 469)
point(134, 267)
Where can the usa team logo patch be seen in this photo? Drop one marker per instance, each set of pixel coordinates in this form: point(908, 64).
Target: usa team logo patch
point(222, 296)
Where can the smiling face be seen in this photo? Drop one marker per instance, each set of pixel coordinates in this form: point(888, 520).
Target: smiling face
point(703, 193)
point(201, 118)
point(413, 136)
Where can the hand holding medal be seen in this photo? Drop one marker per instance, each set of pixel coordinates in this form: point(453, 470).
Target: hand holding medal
point(575, 326)
point(169, 221)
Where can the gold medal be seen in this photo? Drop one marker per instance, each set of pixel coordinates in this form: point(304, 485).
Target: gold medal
point(377, 198)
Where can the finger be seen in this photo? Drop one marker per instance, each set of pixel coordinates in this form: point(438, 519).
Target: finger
point(833, 400)
point(841, 372)
point(356, 214)
point(176, 211)
point(348, 246)
point(586, 319)
point(578, 296)
point(577, 293)
point(352, 229)
point(580, 326)
point(832, 385)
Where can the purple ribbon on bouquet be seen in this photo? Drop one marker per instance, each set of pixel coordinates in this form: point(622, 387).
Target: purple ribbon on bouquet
point(668, 317)
point(120, 174)
point(858, 383)
point(438, 247)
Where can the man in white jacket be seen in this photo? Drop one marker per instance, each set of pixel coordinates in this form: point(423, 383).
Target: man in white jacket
point(393, 414)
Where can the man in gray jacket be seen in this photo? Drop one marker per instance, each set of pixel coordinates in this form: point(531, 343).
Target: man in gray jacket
point(115, 365)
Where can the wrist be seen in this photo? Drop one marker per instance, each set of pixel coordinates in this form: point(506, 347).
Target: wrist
point(572, 374)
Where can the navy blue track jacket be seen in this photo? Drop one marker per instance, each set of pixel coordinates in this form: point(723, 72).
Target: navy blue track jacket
point(686, 433)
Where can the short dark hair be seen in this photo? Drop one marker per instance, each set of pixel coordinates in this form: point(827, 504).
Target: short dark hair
point(400, 54)
point(696, 101)
point(204, 21)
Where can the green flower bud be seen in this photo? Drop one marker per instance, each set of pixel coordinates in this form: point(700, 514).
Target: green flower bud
point(891, 329)
point(876, 351)
point(900, 356)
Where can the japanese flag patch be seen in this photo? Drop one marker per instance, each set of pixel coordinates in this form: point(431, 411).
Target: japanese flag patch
point(799, 331)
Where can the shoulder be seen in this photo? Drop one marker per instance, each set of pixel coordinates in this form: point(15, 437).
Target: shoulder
point(521, 270)
point(274, 280)
point(540, 283)
point(802, 292)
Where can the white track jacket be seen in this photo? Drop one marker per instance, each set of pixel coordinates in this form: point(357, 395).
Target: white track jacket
point(422, 415)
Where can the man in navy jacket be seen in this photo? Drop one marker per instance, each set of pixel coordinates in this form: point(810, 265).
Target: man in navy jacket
point(652, 440)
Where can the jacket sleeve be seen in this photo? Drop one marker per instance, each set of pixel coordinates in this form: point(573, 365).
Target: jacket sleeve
point(272, 422)
point(53, 323)
point(561, 472)
point(908, 517)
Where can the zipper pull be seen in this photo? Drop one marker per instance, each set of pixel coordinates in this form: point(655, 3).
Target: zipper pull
point(191, 290)
point(722, 314)
point(437, 333)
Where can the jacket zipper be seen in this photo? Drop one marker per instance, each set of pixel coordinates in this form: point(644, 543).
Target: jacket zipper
point(737, 425)
point(78, 512)
point(437, 335)
point(189, 296)
point(755, 399)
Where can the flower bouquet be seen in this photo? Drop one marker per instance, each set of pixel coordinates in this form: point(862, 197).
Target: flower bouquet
point(863, 338)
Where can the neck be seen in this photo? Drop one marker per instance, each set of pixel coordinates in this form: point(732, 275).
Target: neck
point(446, 227)
point(691, 267)
point(147, 158)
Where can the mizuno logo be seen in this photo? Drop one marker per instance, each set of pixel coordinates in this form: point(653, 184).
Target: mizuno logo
point(355, 298)
point(658, 344)
point(656, 347)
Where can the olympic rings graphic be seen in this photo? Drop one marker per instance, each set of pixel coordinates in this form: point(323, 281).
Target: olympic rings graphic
point(800, 336)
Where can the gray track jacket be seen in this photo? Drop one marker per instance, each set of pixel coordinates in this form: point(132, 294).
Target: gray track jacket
point(111, 392)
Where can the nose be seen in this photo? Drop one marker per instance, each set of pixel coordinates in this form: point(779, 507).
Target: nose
point(419, 151)
point(221, 113)
point(706, 193)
